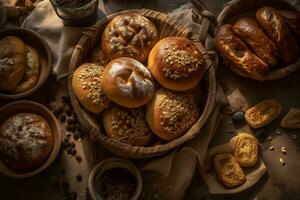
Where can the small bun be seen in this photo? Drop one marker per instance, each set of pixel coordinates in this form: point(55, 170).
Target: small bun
point(171, 114)
point(128, 83)
point(12, 62)
point(86, 84)
point(129, 35)
point(127, 125)
point(177, 63)
point(32, 72)
point(26, 141)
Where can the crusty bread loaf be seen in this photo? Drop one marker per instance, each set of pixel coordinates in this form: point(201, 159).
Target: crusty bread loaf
point(177, 63)
point(129, 35)
point(247, 29)
point(292, 19)
point(32, 71)
point(12, 62)
point(228, 170)
point(26, 141)
point(127, 82)
point(273, 23)
point(239, 56)
point(246, 150)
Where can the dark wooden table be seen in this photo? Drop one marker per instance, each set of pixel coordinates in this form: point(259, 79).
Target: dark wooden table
point(280, 183)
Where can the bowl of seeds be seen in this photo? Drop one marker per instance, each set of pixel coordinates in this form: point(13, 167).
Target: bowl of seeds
point(115, 178)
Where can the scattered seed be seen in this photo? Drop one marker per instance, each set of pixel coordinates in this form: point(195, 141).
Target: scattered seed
point(283, 150)
point(294, 136)
point(69, 135)
point(269, 138)
point(271, 148)
point(278, 131)
point(281, 161)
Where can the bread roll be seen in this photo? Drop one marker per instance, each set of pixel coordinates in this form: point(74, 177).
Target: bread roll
point(228, 170)
point(273, 23)
point(128, 82)
point(177, 63)
point(26, 141)
point(129, 35)
point(246, 150)
point(292, 19)
point(86, 83)
point(291, 119)
point(248, 30)
point(171, 114)
point(12, 62)
point(32, 72)
point(127, 125)
point(241, 59)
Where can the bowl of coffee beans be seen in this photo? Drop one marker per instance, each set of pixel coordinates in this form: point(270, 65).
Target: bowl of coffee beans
point(76, 12)
point(115, 178)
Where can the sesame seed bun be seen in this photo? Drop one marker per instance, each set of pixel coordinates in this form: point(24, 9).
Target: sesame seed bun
point(127, 125)
point(128, 82)
point(86, 83)
point(170, 114)
point(177, 63)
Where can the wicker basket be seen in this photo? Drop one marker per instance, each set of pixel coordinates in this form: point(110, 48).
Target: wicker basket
point(91, 123)
point(236, 9)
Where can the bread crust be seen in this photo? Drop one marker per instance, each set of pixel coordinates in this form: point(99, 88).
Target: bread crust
point(177, 63)
point(248, 30)
point(274, 25)
point(12, 62)
point(26, 141)
point(128, 83)
point(129, 35)
point(292, 19)
point(246, 150)
point(239, 56)
point(229, 173)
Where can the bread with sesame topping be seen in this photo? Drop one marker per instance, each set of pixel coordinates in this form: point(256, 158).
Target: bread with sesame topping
point(129, 35)
point(177, 63)
point(171, 114)
point(86, 83)
point(26, 141)
point(128, 83)
point(127, 125)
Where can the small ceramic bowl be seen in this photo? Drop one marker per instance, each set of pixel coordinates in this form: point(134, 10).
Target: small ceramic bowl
point(31, 107)
point(95, 176)
point(34, 40)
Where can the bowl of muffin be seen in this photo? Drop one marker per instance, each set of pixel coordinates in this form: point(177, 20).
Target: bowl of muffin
point(25, 62)
point(139, 89)
point(260, 41)
point(30, 139)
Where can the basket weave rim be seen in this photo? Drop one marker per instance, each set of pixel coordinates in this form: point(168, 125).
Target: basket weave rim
point(159, 149)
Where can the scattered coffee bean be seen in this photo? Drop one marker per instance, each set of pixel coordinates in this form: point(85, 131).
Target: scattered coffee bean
point(72, 144)
point(78, 158)
point(73, 152)
point(69, 150)
point(238, 117)
point(79, 178)
point(76, 136)
point(69, 135)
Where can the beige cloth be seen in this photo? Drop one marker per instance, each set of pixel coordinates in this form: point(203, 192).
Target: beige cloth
point(166, 177)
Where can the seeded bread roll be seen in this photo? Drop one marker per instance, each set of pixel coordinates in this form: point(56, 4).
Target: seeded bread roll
point(127, 125)
point(177, 63)
point(241, 59)
point(129, 35)
point(246, 150)
point(273, 23)
point(228, 170)
point(128, 83)
point(26, 141)
point(12, 62)
point(32, 71)
point(86, 85)
point(249, 31)
point(170, 114)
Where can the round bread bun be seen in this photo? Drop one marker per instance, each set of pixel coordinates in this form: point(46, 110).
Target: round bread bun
point(177, 63)
point(26, 141)
point(129, 35)
point(12, 62)
point(127, 125)
point(170, 114)
point(128, 83)
point(86, 83)
point(32, 72)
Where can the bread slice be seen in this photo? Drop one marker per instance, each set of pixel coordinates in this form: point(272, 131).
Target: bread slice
point(228, 170)
point(246, 150)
